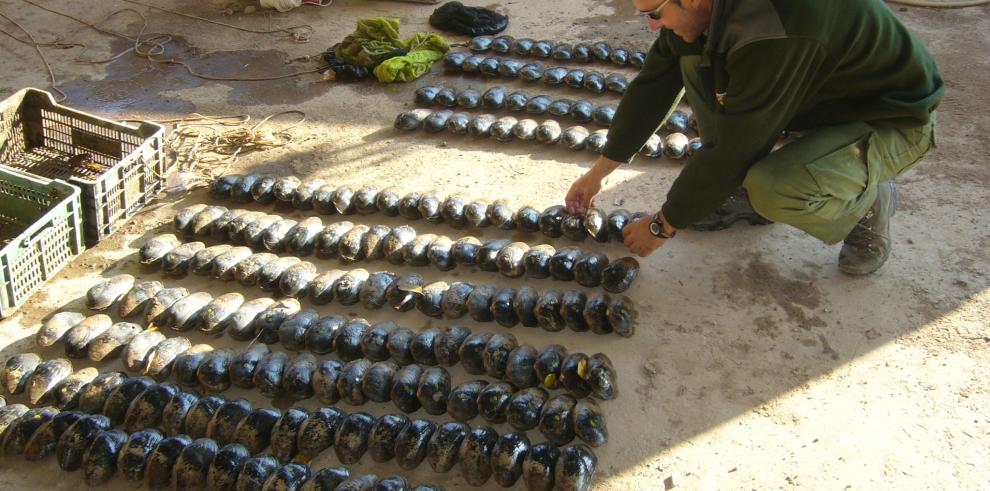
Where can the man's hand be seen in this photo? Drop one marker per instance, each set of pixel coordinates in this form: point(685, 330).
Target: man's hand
point(582, 193)
point(638, 238)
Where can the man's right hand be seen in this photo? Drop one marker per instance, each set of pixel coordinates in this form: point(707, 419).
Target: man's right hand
point(582, 193)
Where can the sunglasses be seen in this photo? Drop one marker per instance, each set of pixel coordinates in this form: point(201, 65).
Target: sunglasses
point(655, 13)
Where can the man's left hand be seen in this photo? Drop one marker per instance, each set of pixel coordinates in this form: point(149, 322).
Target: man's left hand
point(638, 238)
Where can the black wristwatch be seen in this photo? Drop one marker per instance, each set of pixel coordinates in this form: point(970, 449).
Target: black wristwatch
point(656, 228)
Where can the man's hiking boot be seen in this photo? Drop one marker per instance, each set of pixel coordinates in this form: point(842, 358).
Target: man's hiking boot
point(867, 247)
point(734, 209)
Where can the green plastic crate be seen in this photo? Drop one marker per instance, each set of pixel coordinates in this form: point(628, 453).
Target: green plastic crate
point(39, 136)
point(46, 215)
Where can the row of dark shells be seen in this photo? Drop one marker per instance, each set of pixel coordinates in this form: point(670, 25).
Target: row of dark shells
point(89, 442)
point(583, 52)
point(141, 405)
point(560, 419)
point(491, 66)
point(497, 98)
point(400, 245)
point(455, 211)
point(285, 322)
point(675, 146)
point(553, 310)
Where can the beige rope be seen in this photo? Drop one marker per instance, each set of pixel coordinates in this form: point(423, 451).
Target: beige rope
point(37, 47)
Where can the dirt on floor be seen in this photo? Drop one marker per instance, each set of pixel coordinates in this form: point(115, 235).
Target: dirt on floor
point(755, 365)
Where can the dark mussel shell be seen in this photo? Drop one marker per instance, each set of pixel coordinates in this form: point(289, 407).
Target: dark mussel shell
point(480, 43)
point(694, 145)
point(430, 301)
point(452, 61)
point(244, 365)
point(176, 262)
point(551, 220)
point(500, 215)
point(255, 430)
point(437, 121)
point(575, 468)
point(524, 408)
point(240, 325)
point(589, 423)
point(596, 313)
point(616, 83)
point(347, 288)
point(183, 220)
point(328, 242)
point(573, 373)
point(507, 458)
point(539, 104)
point(284, 439)
point(302, 238)
point(527, 219)
point(320, 337)
point(447, 344)
point(493, 401)
point(381, 442)
point(560, 107)
point(488, 254)
point(502, 44)
point(56, 326)
point(595, 225)
point(214, 372)
point(118, 401)
point(601, 50)
point(288, 477)
point(328, 478)
point(349, 381)
point(202, 262)
point(224, 265)
point(174, 416)
point(359, 483)
point(17, 370)
point(422, 346)
point(347, 340)
point(325, 381)
point(576, 137)
point(524, 304)
point(350, 249)
point(525, 129)
point(595, 82)
point(589, 267)
point(439, 253)
point(462, 404)
point(581, 111)
point(597, 140)
point(72, 444)
point(622, 316)
point(539, 467)
point(199, 415)
point(193, 464)
point(458, 123)
point(475, 455)
point(351, 441)
point(562, 52)
point(489, 66)
point(146, 410)
point(133, 458)
point(522, 46)
point(292, 331)
point(619, 56)
point(510, 68)
point(297, 381)
point(226, 466)
point(517, 101)
point(220, 187)
point(616, 221)
point(454, 300)
point(412, 119)
point(246, 272)
point(268, 376)
point(416, 252)
point(479, 303)
point(377, 382)
point(268, 321)
point(374, 343)
point(563, 261)
point(387, 202)
point(398, 345)
point(158, 470)
point(373, 242)
point(404, 388)
point(263, 190)
point(66, 393)
point(465, 251)
point(443, 448)
point(393, 245)
point(94, 395)
point(18, 433)
point(302, 199)
point(572, 310)
point(481, 125)
point(549, 132)
point(425, 95)
point(433, 390)
point(520, 367)
point(411, 443)
point(541, 49)
point(575, 78)
point(108, 292)
point(572, 227)
point(603, 115)
point(495, 356)
point(452, 210)
point(317, 433)
point(556, 420)
point(602, 377)
point(677, 122)
point(502, 128)
point(547, 366)
point(323, 200)
point(494, 98)
point(285, 187)
point(224, 422)
point(401, 294)
point(582, 52)
point(554, 75)
point(619, 275)
point(471, 352)
point(674, 146)
point(502, 309)
point(255, 472)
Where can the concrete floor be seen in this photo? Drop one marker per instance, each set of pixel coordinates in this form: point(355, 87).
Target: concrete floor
point(756, 364)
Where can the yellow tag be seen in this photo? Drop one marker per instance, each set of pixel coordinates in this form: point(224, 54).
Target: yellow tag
point(550, 381)
point(582, 369)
